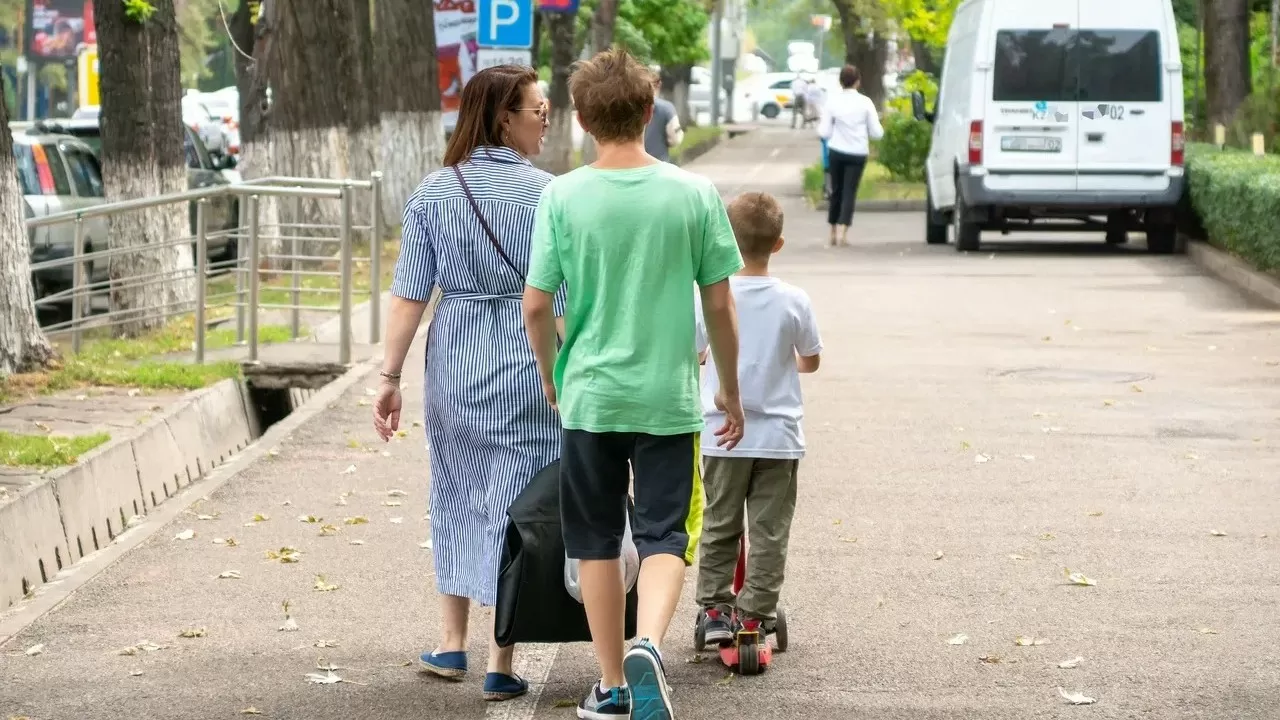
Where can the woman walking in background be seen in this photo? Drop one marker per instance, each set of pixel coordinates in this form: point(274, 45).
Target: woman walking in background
point(467, 231)
point(849, 123)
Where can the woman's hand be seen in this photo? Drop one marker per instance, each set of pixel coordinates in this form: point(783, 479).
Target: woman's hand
point(386, 410)
point(549, 389)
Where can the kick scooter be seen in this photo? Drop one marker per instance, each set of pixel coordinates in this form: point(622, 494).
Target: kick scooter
point(750, 651)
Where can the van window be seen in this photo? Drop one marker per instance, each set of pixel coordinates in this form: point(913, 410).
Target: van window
point(1119, 65)
point(84, 172)
point(61, 184)
point(1070, 66)
point(1033, 65)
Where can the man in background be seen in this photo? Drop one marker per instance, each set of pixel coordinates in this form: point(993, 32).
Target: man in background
point(663, 131)
point(799, 98)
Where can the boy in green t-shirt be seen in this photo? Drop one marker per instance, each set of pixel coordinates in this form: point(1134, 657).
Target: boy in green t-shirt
point(631, 236)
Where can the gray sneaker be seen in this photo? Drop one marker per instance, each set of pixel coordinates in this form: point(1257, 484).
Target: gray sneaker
point(642, 667)
point(602, 704)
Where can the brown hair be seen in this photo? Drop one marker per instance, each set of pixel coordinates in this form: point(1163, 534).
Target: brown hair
point(484, 97)
point(849, 76)
point(756, 218)
point(612, 92)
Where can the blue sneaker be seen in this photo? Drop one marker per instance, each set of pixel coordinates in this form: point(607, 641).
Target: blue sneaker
point(642, 667)
point(601, 704)
point(500, 686)
point(449, 665)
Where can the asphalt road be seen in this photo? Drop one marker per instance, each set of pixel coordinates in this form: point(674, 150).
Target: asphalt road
point(981, 422)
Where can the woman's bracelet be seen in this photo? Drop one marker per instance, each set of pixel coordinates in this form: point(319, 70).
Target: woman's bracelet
point(389, 376)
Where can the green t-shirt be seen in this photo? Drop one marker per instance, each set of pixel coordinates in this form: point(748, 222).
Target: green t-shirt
point(630, 246)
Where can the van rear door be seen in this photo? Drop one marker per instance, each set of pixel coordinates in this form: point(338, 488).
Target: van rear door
point(1126, 101)
point(1032, 119)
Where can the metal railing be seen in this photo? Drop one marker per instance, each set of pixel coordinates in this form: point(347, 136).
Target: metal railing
point(252, 240)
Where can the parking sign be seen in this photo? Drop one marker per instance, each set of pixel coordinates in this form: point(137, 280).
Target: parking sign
point(505, 23)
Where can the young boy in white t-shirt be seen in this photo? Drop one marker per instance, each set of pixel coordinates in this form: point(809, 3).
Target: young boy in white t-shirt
point(778, 340)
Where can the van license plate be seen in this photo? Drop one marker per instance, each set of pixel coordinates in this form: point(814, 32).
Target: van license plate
point(1031, 144)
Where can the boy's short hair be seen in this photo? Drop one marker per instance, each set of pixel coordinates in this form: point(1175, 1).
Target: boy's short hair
point(612, 92)
point(756, 218)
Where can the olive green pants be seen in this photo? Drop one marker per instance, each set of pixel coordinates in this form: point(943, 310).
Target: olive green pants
point(760, 495)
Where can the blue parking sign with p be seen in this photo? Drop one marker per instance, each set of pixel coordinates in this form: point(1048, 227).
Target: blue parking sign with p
point(504, 23)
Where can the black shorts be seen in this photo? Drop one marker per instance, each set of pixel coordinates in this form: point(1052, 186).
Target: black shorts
point(593, 494)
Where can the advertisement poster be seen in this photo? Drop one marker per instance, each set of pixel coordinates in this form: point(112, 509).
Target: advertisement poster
point(456, 48)
point(59, 29)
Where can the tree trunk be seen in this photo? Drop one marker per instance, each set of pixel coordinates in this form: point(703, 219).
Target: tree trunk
point(557, 153)
point(23, 345)
point(869, 53)
point(603, 20)
point(1226, 48)
point(926, 59)
point(412, 132)
point(365, 149)
point(252, 34)
point(142, 156)
point(309, 131)
point(675, 89)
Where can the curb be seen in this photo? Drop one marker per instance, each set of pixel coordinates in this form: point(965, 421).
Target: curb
point(71, 513)
point(880, 206)
point(1234, 272)
point(72, 577)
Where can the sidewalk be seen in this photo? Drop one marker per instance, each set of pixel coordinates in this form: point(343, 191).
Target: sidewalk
point(974, 430)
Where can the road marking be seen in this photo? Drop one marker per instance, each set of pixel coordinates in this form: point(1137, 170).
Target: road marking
point(533, 663)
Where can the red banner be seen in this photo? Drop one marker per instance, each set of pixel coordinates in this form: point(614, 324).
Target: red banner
point(58, 29)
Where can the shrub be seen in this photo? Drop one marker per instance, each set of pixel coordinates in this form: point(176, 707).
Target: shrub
point(904, 147)
point(1235, 197)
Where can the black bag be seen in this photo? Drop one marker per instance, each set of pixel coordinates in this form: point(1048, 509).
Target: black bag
point(533, 605)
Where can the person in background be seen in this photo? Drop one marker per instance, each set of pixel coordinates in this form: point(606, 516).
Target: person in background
point(799, 87)
point(849, 123)
point(467, 231)
point(663, 131)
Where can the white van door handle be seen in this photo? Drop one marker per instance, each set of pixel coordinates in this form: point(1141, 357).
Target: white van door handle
point(1094, 137)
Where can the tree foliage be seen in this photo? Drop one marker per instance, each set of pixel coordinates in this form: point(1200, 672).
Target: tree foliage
point(926, 21)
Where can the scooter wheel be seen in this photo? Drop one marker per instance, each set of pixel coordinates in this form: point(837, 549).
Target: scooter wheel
point(780, 630)
point(749, 660)
point(700, 631)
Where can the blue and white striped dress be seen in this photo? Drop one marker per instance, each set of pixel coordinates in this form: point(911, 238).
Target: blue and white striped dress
point(489, 427)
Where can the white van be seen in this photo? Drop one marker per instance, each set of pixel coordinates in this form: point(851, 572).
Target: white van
point(1064, 115)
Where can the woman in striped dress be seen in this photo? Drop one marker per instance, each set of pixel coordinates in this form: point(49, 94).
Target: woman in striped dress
point(467, 231)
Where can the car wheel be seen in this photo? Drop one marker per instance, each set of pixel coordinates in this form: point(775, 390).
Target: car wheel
point(770, 111)
point(1162, 239)
point(935, 223)
point(968, 233)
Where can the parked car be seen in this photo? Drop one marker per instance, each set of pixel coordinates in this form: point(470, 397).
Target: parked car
point(1065, 112)
point(700, 92)
point(776, 95)
point(224, 106)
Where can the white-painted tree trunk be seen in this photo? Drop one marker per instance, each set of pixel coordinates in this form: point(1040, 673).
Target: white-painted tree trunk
point(256, 163)
point(312, 153)
point(23, 346)
point(557, 151)
point(412, 147)
point(365, 148)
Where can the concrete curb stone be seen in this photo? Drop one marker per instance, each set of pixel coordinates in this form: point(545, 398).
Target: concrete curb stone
point(1234, 272)
point(881, 206)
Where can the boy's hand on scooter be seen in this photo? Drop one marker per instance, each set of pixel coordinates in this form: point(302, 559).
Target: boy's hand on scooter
point(730, 434)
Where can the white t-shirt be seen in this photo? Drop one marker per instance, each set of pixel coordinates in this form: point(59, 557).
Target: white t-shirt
point(775, 321)
point(850, 122)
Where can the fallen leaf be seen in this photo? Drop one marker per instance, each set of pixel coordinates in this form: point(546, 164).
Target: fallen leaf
point(1026, 641)
point(1047, 536)
point(363, 402)
point(958, 639)
point(990, 659)
point(326, 644)
point(326, 530)
point(397, 520)
point(1208, 631)
point(322, 585)
point(192, 633)
point(849, 539)
point(1136, 388)
point(1028, 458)
point(837, 521)
point(416, 423)
point(1078, 578)
point(396, 493)
point(140, 648)
point(229, 575)
point(322, 664)
point(1037, 414)
point(356, 542)
point(135, 673)
point(980, 458)
point(697, 659)
point(290, 625)
point(229, 542)
point(208, 517)
point(185, 535)
point(285, 555)
point(259, 517)
point(1015, 556)
point(1071, 664)
point(328, 678)
point(937, 555)
point(1076, 698)
point(1095, 513)
point(309, 519)
point(34, 650)
point(425, 545)
point(392, 503)
point(134, 521)
point(353, 443)
point(964, 445)
point(286, 503)
point(726, 680)
point(273, 452)
point(1192, 456)
point(357, 520)
point(1047, 338)
point(1108, 403)
point(565, 703)
point(1217, 533)
point(1051, 429)
point(402, 433)
point(251, 711)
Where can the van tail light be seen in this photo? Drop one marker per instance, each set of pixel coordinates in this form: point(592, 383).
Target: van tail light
point(975, 142)
point(1177, 145)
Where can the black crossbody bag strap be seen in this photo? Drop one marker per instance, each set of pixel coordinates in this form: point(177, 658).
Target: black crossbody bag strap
point(484, 224)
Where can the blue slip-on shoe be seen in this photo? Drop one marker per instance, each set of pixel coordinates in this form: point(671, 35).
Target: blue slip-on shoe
point(449, 665)
point(500, 686)
point(600, 704)
point(647, 679)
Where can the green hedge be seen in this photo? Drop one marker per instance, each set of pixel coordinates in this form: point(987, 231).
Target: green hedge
point(905, 146)
point(1236, 199)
